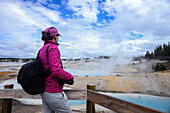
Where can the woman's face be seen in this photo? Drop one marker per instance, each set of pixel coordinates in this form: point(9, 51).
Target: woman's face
point(56, 38)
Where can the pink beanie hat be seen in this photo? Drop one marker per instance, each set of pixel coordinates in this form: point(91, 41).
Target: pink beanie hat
point(53, 31)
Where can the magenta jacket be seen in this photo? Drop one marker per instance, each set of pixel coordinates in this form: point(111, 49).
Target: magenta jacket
point(57, 72)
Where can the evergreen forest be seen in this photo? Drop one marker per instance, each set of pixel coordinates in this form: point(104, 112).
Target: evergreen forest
point(161, 52)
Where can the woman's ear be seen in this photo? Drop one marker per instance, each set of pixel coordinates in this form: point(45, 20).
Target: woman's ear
point(54, 38)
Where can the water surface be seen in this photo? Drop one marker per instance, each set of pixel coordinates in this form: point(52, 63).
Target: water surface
point(151, 101)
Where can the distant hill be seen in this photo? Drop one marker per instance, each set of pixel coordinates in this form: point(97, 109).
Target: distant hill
point(16, 59)
point(31, 59)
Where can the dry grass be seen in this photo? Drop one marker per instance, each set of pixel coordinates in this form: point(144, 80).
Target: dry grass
point(5, 75)
point(6, 72)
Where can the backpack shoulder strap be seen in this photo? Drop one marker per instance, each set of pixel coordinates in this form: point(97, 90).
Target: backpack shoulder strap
point(47, 52)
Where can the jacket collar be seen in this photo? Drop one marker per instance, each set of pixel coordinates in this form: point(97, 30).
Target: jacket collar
point(50, 41)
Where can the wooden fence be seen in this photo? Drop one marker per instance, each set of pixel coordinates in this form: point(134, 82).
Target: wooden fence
point(92, 97)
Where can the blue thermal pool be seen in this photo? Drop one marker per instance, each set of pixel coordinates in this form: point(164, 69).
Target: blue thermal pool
point(81, 73)
point(155, 102)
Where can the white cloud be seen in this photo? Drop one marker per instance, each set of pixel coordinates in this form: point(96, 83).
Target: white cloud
point(22, 23)
point(50, 14)
point(143, 16)
point(85, 8)
point(149, 18)
point(44, 1)
point(109, 6)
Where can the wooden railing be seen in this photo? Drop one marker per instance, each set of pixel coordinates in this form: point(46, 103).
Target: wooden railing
point(92, 97)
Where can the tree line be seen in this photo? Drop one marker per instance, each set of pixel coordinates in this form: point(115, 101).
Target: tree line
point(16, 59)
point(160, 52)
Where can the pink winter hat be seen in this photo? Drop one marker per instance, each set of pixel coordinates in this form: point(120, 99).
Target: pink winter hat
point(53, 31)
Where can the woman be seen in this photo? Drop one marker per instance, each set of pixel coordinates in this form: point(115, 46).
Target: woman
point(54, 99)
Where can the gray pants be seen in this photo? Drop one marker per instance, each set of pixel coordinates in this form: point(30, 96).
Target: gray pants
point(55, 103)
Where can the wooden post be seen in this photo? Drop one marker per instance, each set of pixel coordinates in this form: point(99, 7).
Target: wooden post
point(7, 103)
point(90, 106)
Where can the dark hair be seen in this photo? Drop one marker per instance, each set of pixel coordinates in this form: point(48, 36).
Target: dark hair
point(46, 36)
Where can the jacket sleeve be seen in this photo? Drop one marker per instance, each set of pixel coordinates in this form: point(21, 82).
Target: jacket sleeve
point(55, 65)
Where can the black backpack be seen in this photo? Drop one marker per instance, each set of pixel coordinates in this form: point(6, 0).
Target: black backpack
point(32, 76)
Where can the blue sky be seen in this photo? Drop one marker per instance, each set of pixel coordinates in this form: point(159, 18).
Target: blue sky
point(89, 28)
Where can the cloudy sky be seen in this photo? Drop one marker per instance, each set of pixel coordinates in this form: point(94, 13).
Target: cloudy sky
point(89, 28)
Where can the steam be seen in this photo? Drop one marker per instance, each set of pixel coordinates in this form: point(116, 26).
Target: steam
point(94, 67)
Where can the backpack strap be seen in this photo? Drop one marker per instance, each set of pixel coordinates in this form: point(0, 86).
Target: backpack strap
point(46, 53)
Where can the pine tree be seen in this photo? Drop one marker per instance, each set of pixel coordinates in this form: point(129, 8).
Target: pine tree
point(152, 55)
point(147, 55)
point(161, 51)
point(168, 49)
point(158, 51)
point(165, 50)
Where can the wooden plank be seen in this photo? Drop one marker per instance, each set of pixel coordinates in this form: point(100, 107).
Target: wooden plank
point(7, 103)
point(118, 105)
point(90, 106)
point(19, 93)
point(6, 106)
point(16, 93)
